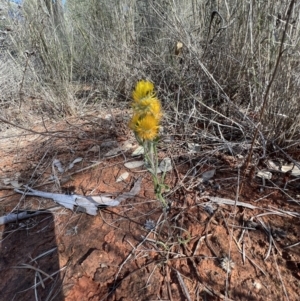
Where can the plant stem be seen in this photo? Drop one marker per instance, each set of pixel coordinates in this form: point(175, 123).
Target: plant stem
point(150, 153)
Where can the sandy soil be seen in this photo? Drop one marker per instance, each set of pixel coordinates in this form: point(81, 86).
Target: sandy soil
point(197, 250)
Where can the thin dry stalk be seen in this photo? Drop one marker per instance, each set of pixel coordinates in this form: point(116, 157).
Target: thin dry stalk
point(268, 89)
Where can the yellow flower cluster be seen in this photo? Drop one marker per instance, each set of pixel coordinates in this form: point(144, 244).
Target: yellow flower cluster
point(147, 111)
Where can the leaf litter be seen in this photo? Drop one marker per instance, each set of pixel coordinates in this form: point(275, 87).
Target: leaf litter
point(98, 249)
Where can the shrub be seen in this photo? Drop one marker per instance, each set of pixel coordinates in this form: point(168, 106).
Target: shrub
point(210, 61)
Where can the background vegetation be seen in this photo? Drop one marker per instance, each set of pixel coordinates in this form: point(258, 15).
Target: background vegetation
point(211, 62)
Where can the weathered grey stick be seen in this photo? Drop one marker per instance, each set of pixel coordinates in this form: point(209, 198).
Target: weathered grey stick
point(13, 217)
point(87, 204)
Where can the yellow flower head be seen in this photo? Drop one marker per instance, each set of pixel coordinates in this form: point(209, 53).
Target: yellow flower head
point(134, 121)
point(145, 127)
point(149, 105)
point(142, 89)
point(147, 111)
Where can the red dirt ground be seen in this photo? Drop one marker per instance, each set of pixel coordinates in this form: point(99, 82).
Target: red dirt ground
point(112, 256)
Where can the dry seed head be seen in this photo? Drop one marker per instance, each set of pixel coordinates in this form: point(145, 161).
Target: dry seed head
point(227, 264)
point(149, 224)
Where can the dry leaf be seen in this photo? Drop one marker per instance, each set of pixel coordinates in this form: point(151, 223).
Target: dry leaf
point(291, 167)
point(113, 152)
point(133, 192)
point(134, 164)
point(194, 148)
point(127, 145)
point(165, 165)
point(58, 165)
point(138, 151)
point(206, 176)
point(77, 160)
point(122, 177)
point(15, 184)
point(6, 181)
point(94, 149)
point(264, 174)
point(272, 165)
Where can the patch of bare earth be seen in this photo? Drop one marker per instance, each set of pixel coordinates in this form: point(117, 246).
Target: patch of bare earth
point(200, 249)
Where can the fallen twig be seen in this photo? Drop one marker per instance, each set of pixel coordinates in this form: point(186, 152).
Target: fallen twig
point(28, 266)
point(183, 286)
point(13, 217)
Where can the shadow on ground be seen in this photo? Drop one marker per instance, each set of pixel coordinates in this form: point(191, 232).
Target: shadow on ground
point(29, 260)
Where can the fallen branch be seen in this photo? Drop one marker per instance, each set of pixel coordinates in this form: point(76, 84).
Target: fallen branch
point(87, 204)
point(13, 217)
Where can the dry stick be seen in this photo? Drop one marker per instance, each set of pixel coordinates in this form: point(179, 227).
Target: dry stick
point(168, 283)
point(183, 286)
point(206, 288)
point(43, 254)
point(12, 217)
point(206, 235)
point(151, 274)
point(22, 82)
point(280, 277)
point(293, 245)
point(265, 99)
point(242, 251)
point(47, 133)
point(287, 155)
point(39, 283)
point(116, 285)
point(210, 76)
point(131, 254)
point(35, 288)
point(70, 175)
point(213, 14)
point(231, 233)
point(28, 266)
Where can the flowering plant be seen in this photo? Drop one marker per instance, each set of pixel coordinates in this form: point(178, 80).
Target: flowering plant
point(145, 123)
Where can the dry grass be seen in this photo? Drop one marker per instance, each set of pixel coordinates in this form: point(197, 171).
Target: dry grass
point(211, 61)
